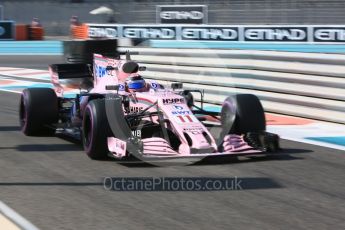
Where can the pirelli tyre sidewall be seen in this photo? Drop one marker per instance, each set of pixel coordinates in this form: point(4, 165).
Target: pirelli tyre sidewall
point(95, 130)
point(38, 111)
point(242, 113)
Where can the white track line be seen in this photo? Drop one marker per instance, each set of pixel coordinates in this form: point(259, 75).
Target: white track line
point(11, 91)
point(20, 221)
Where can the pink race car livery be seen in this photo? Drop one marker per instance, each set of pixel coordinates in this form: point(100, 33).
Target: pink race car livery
point(117, 113)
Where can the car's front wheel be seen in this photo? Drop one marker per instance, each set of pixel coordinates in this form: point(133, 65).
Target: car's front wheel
point(242, 113)
point(95, 130)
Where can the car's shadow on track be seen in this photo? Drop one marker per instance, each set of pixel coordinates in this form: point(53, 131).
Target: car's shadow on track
point(227, 184)
point(70, 145)
point(9, 128)
point(284, 155)
point(43, 147)
point(75, 145)
point(72, 184)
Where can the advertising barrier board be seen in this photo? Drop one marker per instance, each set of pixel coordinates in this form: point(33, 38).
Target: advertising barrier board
point(235, 33)
point(7, 30)
point(181, 14)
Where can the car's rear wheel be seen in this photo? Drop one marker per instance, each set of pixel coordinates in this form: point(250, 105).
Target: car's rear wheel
point(38, 111)
point(95, 130)
point(242, 113)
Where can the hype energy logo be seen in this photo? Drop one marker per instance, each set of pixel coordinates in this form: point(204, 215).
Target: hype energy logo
point(6, 30)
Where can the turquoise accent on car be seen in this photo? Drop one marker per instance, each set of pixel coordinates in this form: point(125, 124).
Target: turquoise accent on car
point(211, 108)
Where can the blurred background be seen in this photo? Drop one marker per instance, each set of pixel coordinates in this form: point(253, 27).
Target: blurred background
point(55, 15)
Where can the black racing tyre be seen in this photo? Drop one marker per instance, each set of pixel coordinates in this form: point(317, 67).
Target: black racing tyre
point(95, 130)
point(242, 113)
point(38, 111)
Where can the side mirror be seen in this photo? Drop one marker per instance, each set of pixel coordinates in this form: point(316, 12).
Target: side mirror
point(188, 96)
point(130, 67)
point(176, 85)
point(142, 68)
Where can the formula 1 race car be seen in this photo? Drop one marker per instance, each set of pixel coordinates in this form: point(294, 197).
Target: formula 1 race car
point(117, 113)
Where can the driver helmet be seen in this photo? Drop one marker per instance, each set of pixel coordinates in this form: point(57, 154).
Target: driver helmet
point(136, 84)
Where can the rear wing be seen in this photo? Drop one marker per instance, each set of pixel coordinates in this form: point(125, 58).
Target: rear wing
point(71, 76)
point(82, 51)
point(67, 71)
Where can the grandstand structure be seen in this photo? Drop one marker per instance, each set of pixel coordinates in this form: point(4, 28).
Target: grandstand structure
point(55, 15)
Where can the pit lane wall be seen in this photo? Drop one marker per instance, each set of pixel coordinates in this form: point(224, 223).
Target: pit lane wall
point(310, 85)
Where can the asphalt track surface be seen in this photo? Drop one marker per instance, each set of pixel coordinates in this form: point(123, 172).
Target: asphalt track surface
point(52, 183)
